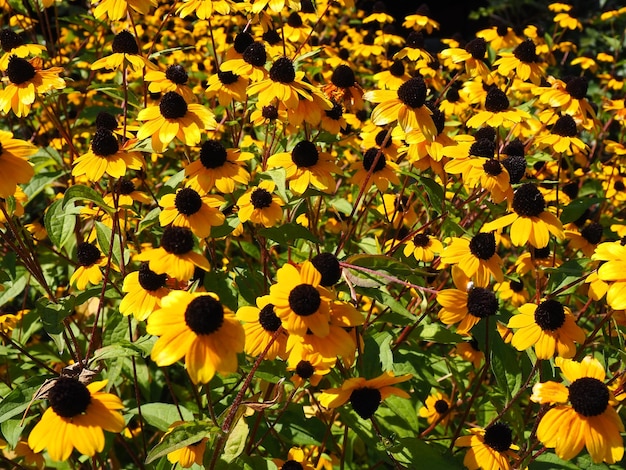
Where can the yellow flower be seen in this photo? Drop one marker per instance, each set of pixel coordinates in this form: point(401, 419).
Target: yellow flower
point(174, 78)
point(296, 459)
point(260, 325)
point(188, 209)
point(523, 61)
point(125, 52)
point(489, 448)
point(75, 419)
point(117, 9)
point(14, 164)
point(260, 205)
point(477, 257)
point(436, 409)
point(13, 45)
point(199, 328)
point(613, 272)
point(588, 420)
point(90, 261)
point(144, 290)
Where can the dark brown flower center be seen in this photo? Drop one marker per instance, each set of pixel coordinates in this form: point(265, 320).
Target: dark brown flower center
point(413, 92)
point(292, 465)
point(10, 39)
point(176, 74)
point(20, 70)
point(370, 157)
point(204, 315)
point(106, 120)
point(187, 201)
point(492, 167)
point(441, 406)
point(268, 319)
point(305, 369)
point(150, 280)
point(124, 186)
point(343, 76)
point(550, 315)
point(526, 52)
point(528, 201)
point(483, 148)
point(104, 143)
point(87, 254)
point(68, 397)
point(499, 437)
point(213, 154)
point(577, 87)
point(328, 266)
point(261, 198)
point(588, 396)
point(294, 20)
point(516, 166)
point(304, 300)
point(255, 54)
point(173, 105)
point(365, 401)
point(483, 245)
point(270, 112)
point(592, 233)
point(496, 101)
point(242, 41)
point(481, 302)
point(397, 68)
point(565, 126)
point(335, 112)
point(125, 43)
point(477, 48)
point(227, 78)
point(177, 240)
point(305, 154)
point(283, 71)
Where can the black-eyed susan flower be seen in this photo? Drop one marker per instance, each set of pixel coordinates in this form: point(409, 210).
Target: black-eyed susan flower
point(613, 272)
point(187, 208)
point(472, 56)
point(260, 205)
point(9, 318)
point(489, 448)
point(117, 9)
point(218, 167)
point(260, 324)
point(568, 97)
point(375, 169)
point(14, 164)
point(296, 460)
point(583, 414)
point(549, 327)
point(174, 78)
point(477, 257)
point(563, 137)
point(174, 117)
point(199, 328)
point(393, 77)
point(420, 20)
point(187, 456)
point(563, 18)
point(204, 8)
point(422, 247)
point(364, 395)
point(305, 165)
point(465, 305)
point(125, 53)
point(300, 301)
point(175, 257)
point(329, 267)
point(523, 62)
point(76, 418)
point(407, 105)
point(587, 239)
point(343, 87)
point(250, 65)
point(497, 112)
point(530, 221)
point(106, 156)
point(470, 352)
point(13, 44)
point(436, 409)
point(512, 290)
point(90, 260)
point(227, 86)
point(308, 366)
point(144, 290)
point(25, 79)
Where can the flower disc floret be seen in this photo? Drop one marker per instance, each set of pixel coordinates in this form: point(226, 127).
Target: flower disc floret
point(268, 318)
point(335, 112)
point(106, 121)
point(492, 167)
point(125, 43)
point(484, 148)
point(589, 396)
point(204, 315)
point(441, 406)
point(486, 132)
point(343, 76)
point(188, 201)
point(380, 138)
point(87, 254)
point(173, 105)
point(227, 78)
point(213, 154)
point(176, 74)
point(270, 112)
point(370, 157)
point(397, 68)
point(305, 154)
point(577, 87)
point(291, 465)
point(528, 201)
point(365, 401)
point(68, 397)
point(550, 315)
point(283, 70)
point(516, 167)
point(421, 239)
point(9, 39)
point(496, 101)
point(20, 70)
point(304, 300)
point(481, 302)
point(413, 92)
point(242, 41)
point(177, 240)
point(150, 280)
point(124, 186)
point(328, 266)
point(526, 51)
point(305, 369)
point(104, 143)
point(592, 233)
point(477, 48)
point(295, 20)
point(499, 437)
point(483, 245)
point(261, 198)
point(565, 126)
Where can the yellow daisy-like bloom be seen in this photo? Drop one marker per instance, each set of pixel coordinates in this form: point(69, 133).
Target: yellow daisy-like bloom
point(260, 205)
point(550, 327)
point(227, 86)
point(420, 20)
point(469, 351)
point(489, 448)
point(613, 272)
point(106, 156)
point(497, 112)
point(218, 167)
point(144, 290)
point(75, 419)
point(174, 78)
point(191, 454)
point(477, 257)
point(175, 257)
point(308, 365)
point(587, 239)
point(188, 209)
point(568, 97)
point(380, 171)
point(90, 260)
point(523, 62)
point(199, 328)
point(530, 221)
point(473, 56)
point(13, 44)
point(422, 247)
point(116, 9)
point(405, 105)
point(24, 81)
point(364, 395)
point(296, 459)
point(300, 301)
point(304, 165)
point(260, 325)
point(125, 52)
point(512, 290)
point(174, 117)
point(14, 164)
point(204, 8)
point(588, 420)
point(465, 305)
point(562, 138)
point(436, 409)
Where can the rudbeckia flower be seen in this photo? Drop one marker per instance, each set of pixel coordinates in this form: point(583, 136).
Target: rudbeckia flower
point(198, 327)
point(175, 257)
point(106, 156)
point(204, 8)
point(26, 79)
point(116, 9)
point(523, 61)
point(436, 409)
point(306, 164)
point(260, 325)
point(251, 64)
point(489, 448)
point(13, 44)
point(174, 78)
point(125, 52)
point(406, 105)
point(228, 87)
point(472, 56)
point(296, 460)
point(364, 395)
point(218, 167)
point(477, 257)
point(422, 247)
point(512, 290)
point(90, 260)
point(613, 272)
point(497, 112)
point(550, 327)
point(300, 301)
point(174, 117)
point(583, 414)
point(587, 239)
point(308, 366)
point(144, 290)
point(14, 164)
point(260, 205)
point(188, 209)
point(469, 351)
point(563, 137)
point(75, 419)
point(380, 173)
point(465, 305)
point(420, 20)
point(530, 221)
point(189, 455)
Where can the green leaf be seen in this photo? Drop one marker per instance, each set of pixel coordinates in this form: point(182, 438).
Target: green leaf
point(162, 415)
point(286, 233)
point(278, 176)
point(429, 456)
point(173, 182)
point(226, 228)
point(85, 193)
point(236, 442)
point(577, 207)
point(149, 220)
point(181, 436)
point(52, 315)
point(12, 430)
point(437, 333)
point(505, 367)
point(124, 348)
point(19, 398)
point(14, 288)
point(59, 223)
point(435, 192)
point(39, 182)
point(103, 234)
